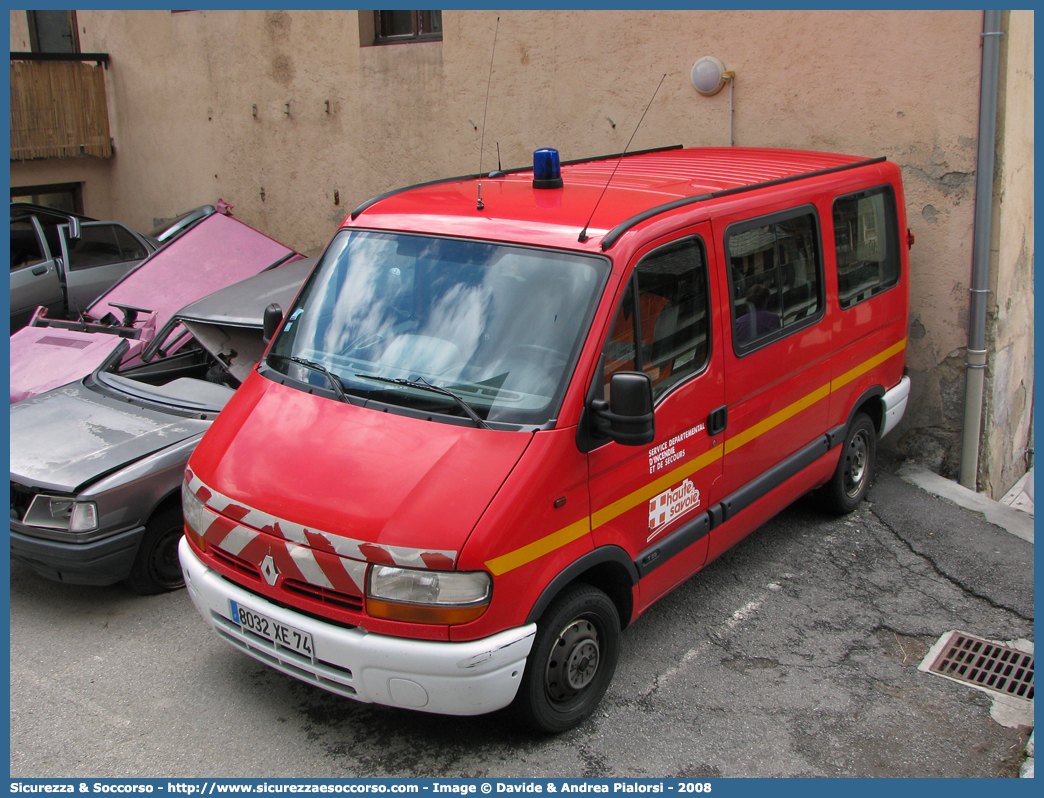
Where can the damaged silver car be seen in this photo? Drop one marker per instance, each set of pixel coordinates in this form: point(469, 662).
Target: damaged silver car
point(97, 465)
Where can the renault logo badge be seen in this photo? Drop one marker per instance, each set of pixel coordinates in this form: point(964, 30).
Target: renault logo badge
point(269, 570)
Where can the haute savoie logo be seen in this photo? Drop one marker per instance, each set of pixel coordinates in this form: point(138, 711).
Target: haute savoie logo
point(672, 504)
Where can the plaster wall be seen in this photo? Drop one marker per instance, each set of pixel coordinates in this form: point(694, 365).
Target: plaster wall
point(1009, 387)
point(285, 115)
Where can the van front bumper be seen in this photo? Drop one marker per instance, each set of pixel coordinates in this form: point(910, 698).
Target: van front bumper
point(448, 678)
point(895, 405)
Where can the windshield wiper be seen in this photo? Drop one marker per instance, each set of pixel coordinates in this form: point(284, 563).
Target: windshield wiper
point(310, 364)
point(424, 385)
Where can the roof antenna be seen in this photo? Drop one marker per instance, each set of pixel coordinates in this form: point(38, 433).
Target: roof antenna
point(583, 233)
point(480, 206)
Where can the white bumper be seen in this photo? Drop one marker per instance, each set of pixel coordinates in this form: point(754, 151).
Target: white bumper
point(447, 678)
point(895, 405)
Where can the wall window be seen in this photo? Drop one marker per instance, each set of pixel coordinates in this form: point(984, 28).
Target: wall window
point(53, 32)
point(405, 26)
point(774, 276)
point(866, 234)
point(60, 196)
point(662, 326)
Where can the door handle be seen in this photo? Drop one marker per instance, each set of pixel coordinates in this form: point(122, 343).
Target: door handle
point(718, 420)
point(38, 270)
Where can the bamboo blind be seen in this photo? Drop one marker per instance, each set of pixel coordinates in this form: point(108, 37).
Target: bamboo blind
point(58, 110)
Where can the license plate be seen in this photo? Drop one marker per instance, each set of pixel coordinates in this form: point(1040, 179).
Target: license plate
point(263, 626)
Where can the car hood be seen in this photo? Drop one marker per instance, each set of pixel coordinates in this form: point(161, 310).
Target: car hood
point(351, 472)
point(228, 323)
point(64, 439)
point(215, 253)
point(43, 358)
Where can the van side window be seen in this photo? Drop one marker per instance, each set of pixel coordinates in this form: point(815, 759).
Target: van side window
point(867, 240)
point(774, 277)
point(666, 333)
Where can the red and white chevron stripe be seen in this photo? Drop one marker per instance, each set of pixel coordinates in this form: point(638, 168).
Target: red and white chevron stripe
point(311, 555)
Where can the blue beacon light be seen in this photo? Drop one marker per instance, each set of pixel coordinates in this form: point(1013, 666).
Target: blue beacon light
point(547, 172)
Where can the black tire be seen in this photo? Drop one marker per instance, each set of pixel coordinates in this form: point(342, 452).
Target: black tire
point(855, 470)
point(156, 567)
point(572, 661)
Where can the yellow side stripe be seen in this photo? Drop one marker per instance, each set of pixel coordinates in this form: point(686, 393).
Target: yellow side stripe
point(773, 421)
point(556, 540)
point(654, 488)
point(864, 367)
point(538, 548)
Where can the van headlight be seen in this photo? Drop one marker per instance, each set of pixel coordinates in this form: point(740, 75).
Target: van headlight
point(193, 510)
point(418, 596)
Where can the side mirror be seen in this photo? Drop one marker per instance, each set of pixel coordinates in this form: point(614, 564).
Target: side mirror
point(75, 231)
point(627, 417)
point(273, 318)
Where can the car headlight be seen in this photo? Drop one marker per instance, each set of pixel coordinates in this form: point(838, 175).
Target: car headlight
point(62, 512)
point(418, 596)
point(193, 510)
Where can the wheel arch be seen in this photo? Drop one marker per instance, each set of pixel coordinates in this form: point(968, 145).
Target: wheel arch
point(607, 568)
point(870, 402)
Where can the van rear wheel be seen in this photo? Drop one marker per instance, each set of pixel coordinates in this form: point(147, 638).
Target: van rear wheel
point(855, 470)
point(572, 661)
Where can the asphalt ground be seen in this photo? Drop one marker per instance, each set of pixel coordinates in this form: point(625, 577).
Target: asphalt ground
point(795, 654)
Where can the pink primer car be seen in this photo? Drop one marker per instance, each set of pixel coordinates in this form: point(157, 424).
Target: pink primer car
point(119, 325)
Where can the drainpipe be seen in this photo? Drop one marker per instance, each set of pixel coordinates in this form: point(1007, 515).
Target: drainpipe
point(980, 275)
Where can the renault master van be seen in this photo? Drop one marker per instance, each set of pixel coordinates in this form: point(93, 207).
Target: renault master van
point(508, 413)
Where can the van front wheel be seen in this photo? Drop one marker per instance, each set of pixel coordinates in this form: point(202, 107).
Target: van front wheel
point(855, 469)
point(572, 660)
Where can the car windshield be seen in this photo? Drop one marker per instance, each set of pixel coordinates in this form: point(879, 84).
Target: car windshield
point(438, 325)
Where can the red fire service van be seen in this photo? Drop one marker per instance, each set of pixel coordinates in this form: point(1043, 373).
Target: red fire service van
point(506, 415)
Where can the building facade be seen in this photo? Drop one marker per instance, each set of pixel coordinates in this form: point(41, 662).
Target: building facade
point(295, 117)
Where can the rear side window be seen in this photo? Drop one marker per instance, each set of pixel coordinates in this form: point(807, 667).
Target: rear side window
point(867, 240)
point(774, 277)
point(130, 246)
point(25, 246)
point(96, 246)
point(662, 326)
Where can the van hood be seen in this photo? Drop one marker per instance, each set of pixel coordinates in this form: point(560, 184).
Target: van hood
point(372, 480)
point(65, 439)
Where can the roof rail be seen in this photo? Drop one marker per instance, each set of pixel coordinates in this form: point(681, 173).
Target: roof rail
point(499, 172)
point(624, 226)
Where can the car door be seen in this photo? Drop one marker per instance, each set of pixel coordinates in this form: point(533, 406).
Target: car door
point(653, 500)
point(102, 254)
point(34, 274)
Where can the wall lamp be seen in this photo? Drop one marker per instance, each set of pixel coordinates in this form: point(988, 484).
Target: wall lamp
point(709, 76)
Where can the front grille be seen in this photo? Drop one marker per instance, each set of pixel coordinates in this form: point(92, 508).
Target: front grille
point(323, 594)
point(235, 563)
point(987, 665)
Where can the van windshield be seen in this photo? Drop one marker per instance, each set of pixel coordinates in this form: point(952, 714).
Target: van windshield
point(494, 329)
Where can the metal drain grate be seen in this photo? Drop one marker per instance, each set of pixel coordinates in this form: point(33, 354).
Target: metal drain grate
point(986, 664)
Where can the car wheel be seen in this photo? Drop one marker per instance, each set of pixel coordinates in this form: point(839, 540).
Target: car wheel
point(156, 567)
point(572, 661)
point(854, 472)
